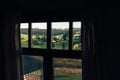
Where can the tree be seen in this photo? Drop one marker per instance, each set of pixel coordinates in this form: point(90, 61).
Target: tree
point(64, 38)
point(76, 46)
point(65, 35)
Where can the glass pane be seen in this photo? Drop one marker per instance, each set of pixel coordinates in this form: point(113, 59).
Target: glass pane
point(39, 35)
point(76, 42)
point(24, 34)
point(32, 67)
point(67, 69)
point(60, 35)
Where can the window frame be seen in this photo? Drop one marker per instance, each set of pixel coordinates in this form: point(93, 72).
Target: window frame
point(48, 54)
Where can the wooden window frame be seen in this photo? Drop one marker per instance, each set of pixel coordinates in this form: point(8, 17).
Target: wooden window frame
point(48, 53)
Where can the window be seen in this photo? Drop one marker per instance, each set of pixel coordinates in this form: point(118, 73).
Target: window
point(67, 69)
point(24, 34)
point(39, 35)
point(60, 35)
point(51, 50)
point(32, 67)
point(76, 39)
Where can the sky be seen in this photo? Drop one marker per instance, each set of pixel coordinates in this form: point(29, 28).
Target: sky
point(76, 24)
point(60, 25)
point(39, 25)
point(56, 25)
point(24, 25)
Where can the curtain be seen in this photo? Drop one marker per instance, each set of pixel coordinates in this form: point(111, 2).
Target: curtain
point(1, 53)
point(92, 68)
point(11, 47)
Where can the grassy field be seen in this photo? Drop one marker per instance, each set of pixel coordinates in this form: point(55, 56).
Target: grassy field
point(58, 44)
point(67, 76)
point(24, 40)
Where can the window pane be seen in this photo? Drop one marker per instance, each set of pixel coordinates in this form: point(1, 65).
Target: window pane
point(67, 69)
point(60, 35)
point(39, 35)
point(76, 42)
point(32, 67)
point(24, 34)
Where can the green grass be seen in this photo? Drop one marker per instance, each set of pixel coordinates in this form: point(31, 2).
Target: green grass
point(59, 36)
point(24, 40)
point(67, 76)
point(24, 37)
point(36, 46)
point(24, 43)
point(59, 45)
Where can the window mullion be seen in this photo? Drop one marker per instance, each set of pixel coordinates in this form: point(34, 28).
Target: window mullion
point(29, 35)
point(70, 35)
point(48, 35)
point(48, 68)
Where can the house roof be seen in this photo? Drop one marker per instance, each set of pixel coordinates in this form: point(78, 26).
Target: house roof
point(31, 64)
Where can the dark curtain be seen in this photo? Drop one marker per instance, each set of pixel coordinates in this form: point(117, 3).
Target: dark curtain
point(92, 68)
point(11, 47)
point(1, 53)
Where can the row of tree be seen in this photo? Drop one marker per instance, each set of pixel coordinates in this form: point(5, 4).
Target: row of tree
point(54, 32)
